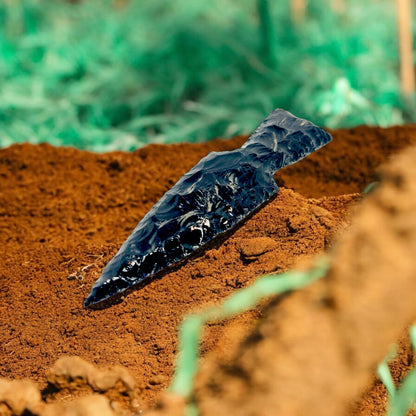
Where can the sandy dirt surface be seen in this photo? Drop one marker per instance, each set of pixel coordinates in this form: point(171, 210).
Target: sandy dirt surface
point(63, 215)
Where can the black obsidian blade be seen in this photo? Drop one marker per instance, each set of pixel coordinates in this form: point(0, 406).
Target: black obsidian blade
point(220, 191)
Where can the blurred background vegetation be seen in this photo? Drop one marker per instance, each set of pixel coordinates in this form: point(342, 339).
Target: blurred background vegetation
point(106, 75)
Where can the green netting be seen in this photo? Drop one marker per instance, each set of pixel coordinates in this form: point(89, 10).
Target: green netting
point(103, 77)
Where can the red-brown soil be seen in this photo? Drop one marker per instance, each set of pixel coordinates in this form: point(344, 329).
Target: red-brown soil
point(63, 215)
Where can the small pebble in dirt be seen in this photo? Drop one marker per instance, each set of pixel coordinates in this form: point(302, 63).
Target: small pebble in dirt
point(158, 379)
point(220, 191)
point(254, 247)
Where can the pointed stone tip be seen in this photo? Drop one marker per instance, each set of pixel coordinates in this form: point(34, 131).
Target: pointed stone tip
point(94, 302)
point(101, 292)
point(87, 302)
point(90, 300)
point(98, 295)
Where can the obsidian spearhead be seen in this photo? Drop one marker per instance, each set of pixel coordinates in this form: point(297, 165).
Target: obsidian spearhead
point(220, 191)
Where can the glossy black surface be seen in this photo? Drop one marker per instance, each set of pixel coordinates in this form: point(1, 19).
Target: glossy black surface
point(212, 198)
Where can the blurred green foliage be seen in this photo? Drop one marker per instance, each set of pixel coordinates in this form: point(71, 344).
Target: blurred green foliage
point(102, 77)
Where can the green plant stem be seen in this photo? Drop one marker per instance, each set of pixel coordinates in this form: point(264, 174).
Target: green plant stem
point(267, 34)
point(404, 398)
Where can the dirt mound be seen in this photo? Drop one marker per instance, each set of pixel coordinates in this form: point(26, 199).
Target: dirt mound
point(316, 350)
point(64, 213)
